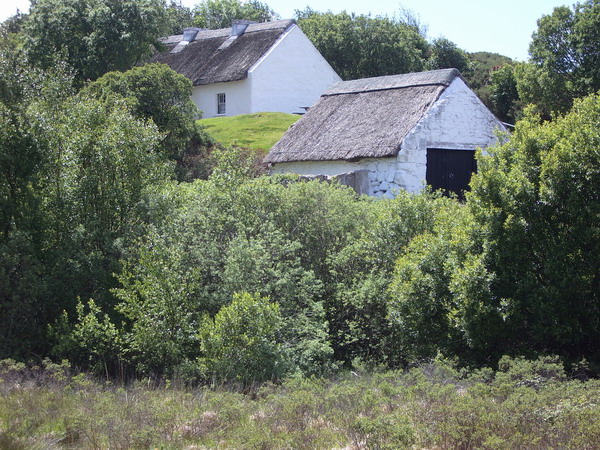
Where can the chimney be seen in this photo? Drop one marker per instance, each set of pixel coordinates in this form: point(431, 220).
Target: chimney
point(238, 27)
point(189, 34)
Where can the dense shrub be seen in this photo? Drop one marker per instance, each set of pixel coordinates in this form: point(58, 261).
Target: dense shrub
point(241, 342)
point(157, 93)
point(519, 273)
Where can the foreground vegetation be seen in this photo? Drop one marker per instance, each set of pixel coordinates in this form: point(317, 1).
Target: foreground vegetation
point(259, 131)
point(525, 404)
point(134, 249)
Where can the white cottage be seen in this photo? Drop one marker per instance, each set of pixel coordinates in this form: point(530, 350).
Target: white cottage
point(402, 131)
point(251, 67)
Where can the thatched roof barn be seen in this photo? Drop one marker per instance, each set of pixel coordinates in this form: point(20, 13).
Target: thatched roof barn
point(395, 127)
point(249, 67)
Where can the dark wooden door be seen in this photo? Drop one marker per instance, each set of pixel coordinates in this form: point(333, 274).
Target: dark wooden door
point(450, 170)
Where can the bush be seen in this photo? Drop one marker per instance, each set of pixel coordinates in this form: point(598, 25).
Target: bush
point(241, 342)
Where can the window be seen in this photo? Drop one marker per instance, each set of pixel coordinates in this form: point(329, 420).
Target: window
point(220, 103)
point(450, 170)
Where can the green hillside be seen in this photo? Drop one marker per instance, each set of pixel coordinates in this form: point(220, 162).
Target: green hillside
point(258, 131)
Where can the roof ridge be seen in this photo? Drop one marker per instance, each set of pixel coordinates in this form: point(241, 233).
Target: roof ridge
point(327, 94)
point(215, 32)
point(442, 77)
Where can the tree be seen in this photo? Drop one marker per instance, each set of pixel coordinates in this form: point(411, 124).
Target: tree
point(478, 75)
point(535, 199)
point(157, 93)
point(213, 14)
point(359, 46)
point(25, 278)
point(160, 307)
point(446, 55)
point(100, 162)
point(93, 36)
point(14, 24)
point(268, 264)
point(424, 306)
point(505, 96)
point(565, 52)
point(362, 271)
point(179, 17)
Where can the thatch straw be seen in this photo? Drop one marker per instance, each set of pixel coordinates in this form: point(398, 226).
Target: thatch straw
point(366, 118)
point(204, 63)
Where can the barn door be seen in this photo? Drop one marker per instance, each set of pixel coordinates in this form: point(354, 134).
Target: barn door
point(450, 170)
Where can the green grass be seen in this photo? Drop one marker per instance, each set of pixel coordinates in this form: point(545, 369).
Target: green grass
point(259, 131)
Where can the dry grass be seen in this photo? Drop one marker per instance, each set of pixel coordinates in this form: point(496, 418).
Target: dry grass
point(424, 408)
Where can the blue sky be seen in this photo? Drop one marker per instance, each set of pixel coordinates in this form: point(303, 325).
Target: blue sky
point(503, 27)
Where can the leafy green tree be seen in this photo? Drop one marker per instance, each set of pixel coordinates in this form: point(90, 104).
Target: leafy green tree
point(478, 74)
point(160, 308)
point(548, 92)
point(157, 93)
point(505, 96)
point(481, 64)
point(565, 55)
point(229, 234)
point(421, 302)
point(516, 271)
point(25, 302)
point(535, 199)
point(93, 36)
point(215, 14)
point(269, 265)
point(101, 160)
point(179, 17)
point(359, 46)
point(14, 24)
point(446, 55)
point(241, 342)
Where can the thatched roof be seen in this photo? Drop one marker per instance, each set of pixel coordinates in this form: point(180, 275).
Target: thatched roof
point(207, 60)
point(366, 118)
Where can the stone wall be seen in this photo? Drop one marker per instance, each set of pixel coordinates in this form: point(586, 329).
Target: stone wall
point(357, 180)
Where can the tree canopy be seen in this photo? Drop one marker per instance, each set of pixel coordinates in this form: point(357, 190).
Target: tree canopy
point(157, 93)
point(110, 261)
point(444, 54)
point(214, 14)
point(360, 46)
point(565, 58)
point(93, 36)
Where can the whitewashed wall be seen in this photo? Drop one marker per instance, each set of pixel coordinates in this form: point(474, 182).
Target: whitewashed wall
point(290, 76)
point(237, 98)
point(457, 121)
point(382, 172)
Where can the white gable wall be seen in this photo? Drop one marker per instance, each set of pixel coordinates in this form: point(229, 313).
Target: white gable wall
point(290, 76)
point(237, 94)
point(458, 121)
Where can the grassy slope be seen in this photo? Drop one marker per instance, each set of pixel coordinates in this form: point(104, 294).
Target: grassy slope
point(258, 131)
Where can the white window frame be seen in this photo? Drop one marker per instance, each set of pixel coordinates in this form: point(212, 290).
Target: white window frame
point(221, 104)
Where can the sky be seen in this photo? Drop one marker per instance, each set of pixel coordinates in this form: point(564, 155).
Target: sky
point(503, 27)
